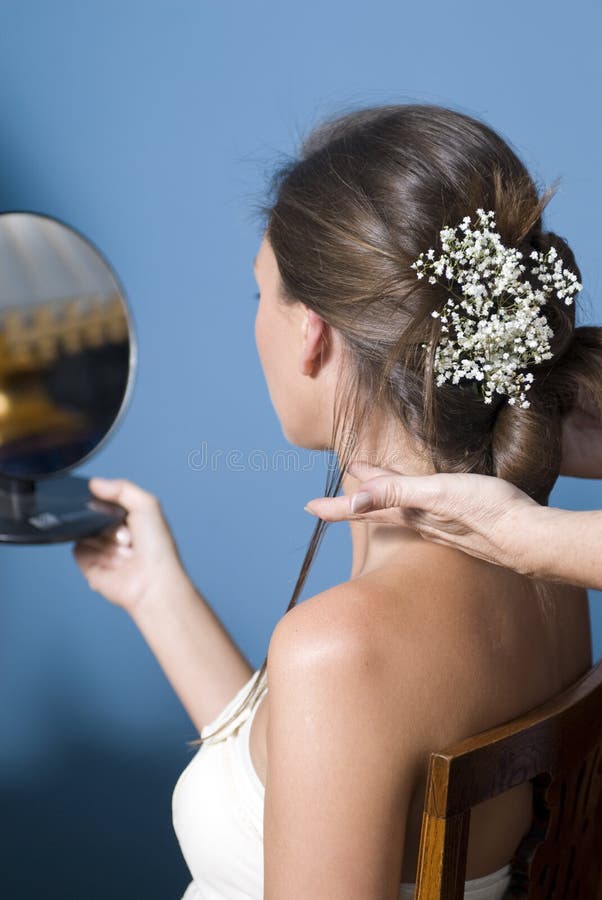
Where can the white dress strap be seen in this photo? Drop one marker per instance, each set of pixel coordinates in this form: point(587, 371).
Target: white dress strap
point(229, 709)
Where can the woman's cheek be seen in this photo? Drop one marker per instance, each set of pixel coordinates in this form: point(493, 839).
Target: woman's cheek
point(264, 340)
point(259, 334)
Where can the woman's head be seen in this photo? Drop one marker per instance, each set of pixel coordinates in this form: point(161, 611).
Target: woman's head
point(343, 320)
point(370, 191)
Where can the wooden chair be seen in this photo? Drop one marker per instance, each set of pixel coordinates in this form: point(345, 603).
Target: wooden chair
point(557, 746)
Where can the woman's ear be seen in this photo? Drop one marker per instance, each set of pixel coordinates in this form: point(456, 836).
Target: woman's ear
point(313, 342)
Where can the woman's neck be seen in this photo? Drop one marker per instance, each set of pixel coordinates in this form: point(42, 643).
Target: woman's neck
point(376, 544)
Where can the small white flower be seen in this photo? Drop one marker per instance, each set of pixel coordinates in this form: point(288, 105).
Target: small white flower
point(493, 341)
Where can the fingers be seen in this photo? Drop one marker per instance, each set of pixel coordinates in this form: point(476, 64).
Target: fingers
point(88, 557)
point(107, 543)
point(114, 534)
point(117, 534)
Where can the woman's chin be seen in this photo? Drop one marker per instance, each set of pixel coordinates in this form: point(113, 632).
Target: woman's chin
point(302, 438)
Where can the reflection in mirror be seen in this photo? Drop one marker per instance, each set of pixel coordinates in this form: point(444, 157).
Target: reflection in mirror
point(64, 347)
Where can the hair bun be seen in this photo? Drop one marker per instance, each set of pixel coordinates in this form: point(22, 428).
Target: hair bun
point(526, 448)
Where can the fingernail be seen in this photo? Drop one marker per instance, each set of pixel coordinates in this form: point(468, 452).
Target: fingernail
point(310, 511)
point(361, 502)
point(122, 535)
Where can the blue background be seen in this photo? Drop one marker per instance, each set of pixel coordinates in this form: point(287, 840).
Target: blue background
point(150, 126)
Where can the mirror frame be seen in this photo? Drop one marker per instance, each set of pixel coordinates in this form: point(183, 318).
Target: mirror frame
point(133, 357)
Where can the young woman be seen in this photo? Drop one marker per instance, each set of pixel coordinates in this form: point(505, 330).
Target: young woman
point(309, 781)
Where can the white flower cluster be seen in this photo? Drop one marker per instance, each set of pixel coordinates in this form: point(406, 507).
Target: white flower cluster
point(495, 328)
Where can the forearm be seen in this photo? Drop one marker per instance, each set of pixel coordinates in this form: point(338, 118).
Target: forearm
point(563, 545)
point(201, 661)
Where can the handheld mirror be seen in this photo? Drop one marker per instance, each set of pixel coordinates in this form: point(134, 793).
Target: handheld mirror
point(67, 362)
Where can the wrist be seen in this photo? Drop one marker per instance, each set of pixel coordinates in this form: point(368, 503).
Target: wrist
point(162, 591)
point(529, 526)
point(541, 544)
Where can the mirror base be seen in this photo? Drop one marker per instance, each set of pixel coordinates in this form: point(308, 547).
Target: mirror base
point(53, 510)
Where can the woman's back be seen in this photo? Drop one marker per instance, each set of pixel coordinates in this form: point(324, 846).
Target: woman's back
point(491, 646)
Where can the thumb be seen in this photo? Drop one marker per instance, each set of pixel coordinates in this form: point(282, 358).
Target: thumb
point(389, 491)
point(103, 487)
point(121, 491)
point(384, 492)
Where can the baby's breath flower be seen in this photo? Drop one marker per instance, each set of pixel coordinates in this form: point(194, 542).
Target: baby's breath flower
point(483, 338)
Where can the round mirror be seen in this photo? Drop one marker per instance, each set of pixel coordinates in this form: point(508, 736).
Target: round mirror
point(67, 362)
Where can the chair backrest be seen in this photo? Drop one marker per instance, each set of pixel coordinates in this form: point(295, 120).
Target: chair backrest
point(557, 746)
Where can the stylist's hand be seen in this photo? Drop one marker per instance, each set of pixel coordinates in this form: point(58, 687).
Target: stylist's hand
point(485, 516)
point(128, 562)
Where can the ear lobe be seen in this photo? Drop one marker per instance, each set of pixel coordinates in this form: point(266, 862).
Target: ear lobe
point(313, 330)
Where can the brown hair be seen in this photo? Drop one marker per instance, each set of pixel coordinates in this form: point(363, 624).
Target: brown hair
point(370, 191)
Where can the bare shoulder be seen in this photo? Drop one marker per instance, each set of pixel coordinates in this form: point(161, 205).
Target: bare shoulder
point(350, 646)
point(382, 618)
point(329, 630)
point(403, 643)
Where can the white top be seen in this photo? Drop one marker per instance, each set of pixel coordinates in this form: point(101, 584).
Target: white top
point(217, 808)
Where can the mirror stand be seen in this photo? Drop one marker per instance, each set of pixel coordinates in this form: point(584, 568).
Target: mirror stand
point(52, 510)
